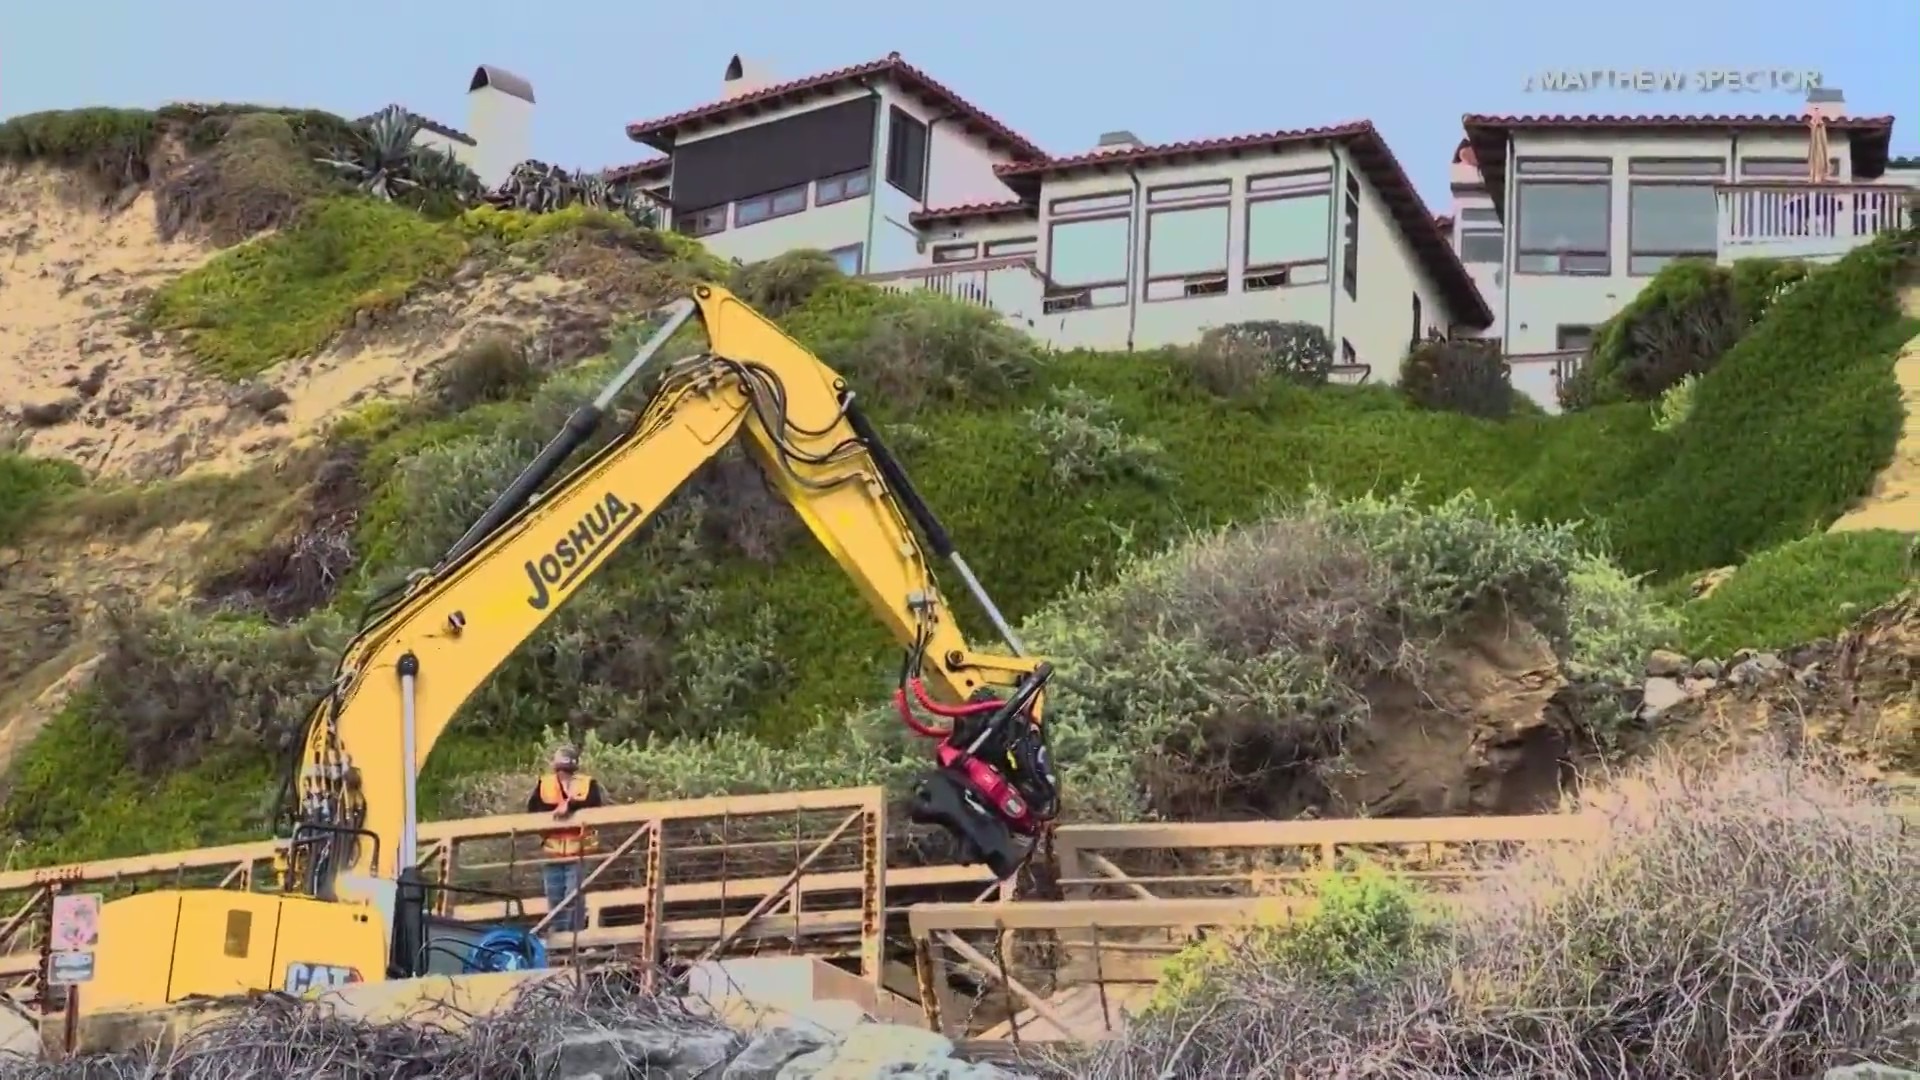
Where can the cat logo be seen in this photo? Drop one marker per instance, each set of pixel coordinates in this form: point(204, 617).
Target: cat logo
point(310, 980)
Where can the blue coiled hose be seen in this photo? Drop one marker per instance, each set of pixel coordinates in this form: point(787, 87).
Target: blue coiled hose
point(505, 949)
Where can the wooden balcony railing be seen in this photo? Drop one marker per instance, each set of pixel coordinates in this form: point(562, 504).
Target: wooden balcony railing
point(1012, 286)
point(1805, 219)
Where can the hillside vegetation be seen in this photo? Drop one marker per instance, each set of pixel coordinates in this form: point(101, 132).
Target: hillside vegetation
point(1236, 565)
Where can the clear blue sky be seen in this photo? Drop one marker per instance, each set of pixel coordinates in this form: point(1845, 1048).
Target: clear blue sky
point(1060, 71)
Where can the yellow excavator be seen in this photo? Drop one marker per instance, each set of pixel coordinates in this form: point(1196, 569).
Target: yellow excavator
point(350, 905)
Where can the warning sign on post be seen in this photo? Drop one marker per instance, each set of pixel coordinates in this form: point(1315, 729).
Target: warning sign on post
point(76, 922)
point(75, 933)
point(69, 968)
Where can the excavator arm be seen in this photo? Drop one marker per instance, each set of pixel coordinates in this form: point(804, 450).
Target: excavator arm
point(352, 906)
point(402, 679)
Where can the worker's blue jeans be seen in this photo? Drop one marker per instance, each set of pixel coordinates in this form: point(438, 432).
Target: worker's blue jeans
point(561, 879)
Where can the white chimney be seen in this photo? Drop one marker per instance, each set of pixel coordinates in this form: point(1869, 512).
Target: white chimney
point(1118, 142)
point(744, 77)
point(500, 119)
point(1826, 102)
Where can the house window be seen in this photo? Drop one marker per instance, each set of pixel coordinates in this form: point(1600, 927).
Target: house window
point(1091, 256)
point(1020, 245)
point(1698, 168)
point(1783, 168)
point(1564, 226)
point(1573, 338)
point(1202, 191)
point(1350, 247)
point(1479, 246)
point(700, 222)
point(774, 204)
point(1482, 238)
point(946, 253)
point(1541, 166)
point(1187, 251)
point(1286, 240)
point(1670, 221)
point(1415, 339)
point(840, 188)
point(848, 258)
point(907, 154)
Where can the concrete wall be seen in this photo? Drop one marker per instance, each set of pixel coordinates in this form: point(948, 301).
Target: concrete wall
point(502, 125)
point(1379, 323)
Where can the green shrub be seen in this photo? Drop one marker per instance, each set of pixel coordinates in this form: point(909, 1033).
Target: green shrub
point(490, 368)
point(27, 485)
point(256, 175)
point(1365, 925)
point(177, 694)
point(778, 285)
point(1460, 375)
point(1804, 589)
point(1236, 360)
point(1678, 326)
point(289, 294)
point(1676, 404)
point(1789, 427)
point(109, 146)
point(933, 350)
point(1079, 434)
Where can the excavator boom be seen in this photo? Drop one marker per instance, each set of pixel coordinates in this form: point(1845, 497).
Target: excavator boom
point(422, 654)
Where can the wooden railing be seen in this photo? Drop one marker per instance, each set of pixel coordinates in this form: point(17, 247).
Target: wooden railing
point(1805, 220)
point(799, 873)
point(1012, 286)
point(1134, 895)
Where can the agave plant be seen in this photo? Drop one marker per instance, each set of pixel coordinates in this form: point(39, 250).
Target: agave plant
point(383, 160)
point(539, 188)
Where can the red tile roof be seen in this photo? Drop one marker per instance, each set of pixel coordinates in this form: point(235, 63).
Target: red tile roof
point(972, 210)
point(639, 170)
point(1369, 152)
point(661, 133)
point(1870, 136)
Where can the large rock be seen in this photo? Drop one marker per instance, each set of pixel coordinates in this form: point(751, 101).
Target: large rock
point(664, 1053)
point(1869, 1072)
point(892, 1051)
point(770, 1051)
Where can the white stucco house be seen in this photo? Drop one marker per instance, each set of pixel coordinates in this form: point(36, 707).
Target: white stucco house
point(499, 132)
point(1124, 246)
point(1140, 246)
point(1555, 223)
point(838, 161)
point(1561, 220)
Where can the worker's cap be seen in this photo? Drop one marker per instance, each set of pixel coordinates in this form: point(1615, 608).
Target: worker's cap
point(566, 757)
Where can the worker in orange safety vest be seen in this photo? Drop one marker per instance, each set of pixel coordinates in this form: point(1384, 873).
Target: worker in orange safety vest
point(561, 791)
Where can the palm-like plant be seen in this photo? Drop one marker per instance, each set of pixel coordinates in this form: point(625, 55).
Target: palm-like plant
point(382, 159)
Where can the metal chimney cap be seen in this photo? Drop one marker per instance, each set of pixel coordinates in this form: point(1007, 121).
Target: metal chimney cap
point(1825, 95)
point(1120, 138)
